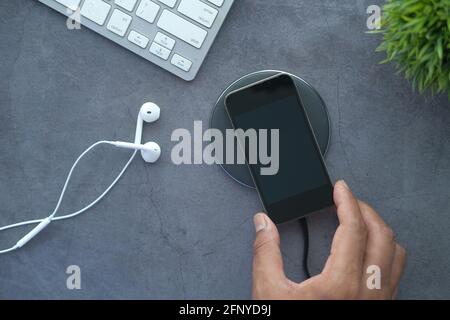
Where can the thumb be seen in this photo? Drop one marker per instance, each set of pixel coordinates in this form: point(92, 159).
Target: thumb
point(267, 260)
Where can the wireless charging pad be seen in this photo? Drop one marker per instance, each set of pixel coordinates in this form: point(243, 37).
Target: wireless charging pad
point(314, 105)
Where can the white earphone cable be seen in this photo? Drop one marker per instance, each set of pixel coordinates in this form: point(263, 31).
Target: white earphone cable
point(52, 216)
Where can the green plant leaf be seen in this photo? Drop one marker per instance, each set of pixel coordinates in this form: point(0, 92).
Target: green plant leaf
point(416, 38)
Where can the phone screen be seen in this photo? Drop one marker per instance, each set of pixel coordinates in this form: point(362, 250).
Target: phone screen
point(301, 184)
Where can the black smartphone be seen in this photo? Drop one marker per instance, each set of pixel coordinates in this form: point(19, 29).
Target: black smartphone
point(301, 185)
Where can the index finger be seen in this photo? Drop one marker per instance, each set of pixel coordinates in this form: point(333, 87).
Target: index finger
point(349, 242)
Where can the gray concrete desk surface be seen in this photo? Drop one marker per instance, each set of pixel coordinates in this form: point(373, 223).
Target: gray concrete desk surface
point(171, 231)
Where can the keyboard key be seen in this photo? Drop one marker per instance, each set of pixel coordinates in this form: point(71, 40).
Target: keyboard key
point(147, 10)
point(95, 10)
point(138, 39)
point(126, 4)
point(198, 11)
point(71, 4)
point(182, 28)
point(180, 62)
point(218, 3)
point(164, 40)
point(119, 22)
point(160, 51)
point(170, 3)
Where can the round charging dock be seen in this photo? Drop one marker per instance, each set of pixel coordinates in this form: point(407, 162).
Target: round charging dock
point(314, 105)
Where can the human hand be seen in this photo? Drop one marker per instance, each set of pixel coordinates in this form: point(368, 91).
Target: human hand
point(361, 240)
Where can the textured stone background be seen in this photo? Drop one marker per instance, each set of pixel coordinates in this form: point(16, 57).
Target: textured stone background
point(179, 232)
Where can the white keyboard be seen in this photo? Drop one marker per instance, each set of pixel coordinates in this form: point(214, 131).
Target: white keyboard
point(174, 34)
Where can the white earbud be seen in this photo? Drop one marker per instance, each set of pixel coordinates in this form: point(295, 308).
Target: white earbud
point(150, 151)
point(149, 113)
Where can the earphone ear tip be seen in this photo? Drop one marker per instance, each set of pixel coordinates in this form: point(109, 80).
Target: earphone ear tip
point(150, 112)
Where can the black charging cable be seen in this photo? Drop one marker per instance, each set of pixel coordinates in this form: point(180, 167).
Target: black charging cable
point(304, 226)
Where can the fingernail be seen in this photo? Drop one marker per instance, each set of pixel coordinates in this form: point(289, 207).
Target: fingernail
point(345, 184)
point(260, 222)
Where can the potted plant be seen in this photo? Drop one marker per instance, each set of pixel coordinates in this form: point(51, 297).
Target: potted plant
point(416, 38)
